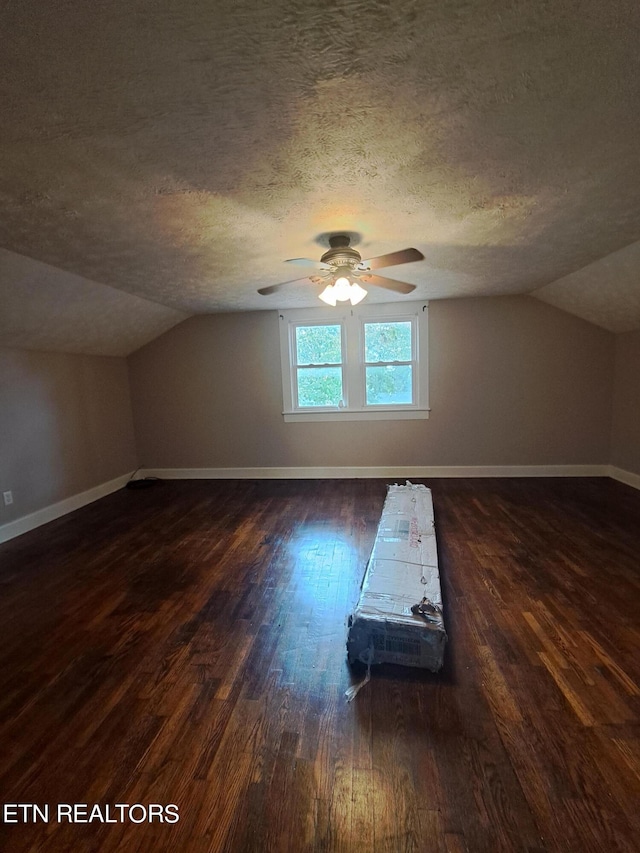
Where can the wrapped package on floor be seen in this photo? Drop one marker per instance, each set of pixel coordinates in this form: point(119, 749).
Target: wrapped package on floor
point(398, 618)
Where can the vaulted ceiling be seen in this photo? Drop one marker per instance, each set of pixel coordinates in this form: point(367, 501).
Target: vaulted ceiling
point(164, 159)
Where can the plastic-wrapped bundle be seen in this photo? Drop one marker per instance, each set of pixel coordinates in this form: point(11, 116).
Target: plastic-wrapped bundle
point(398, 618)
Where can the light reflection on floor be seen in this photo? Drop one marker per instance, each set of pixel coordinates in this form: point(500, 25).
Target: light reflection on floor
point(323, 580)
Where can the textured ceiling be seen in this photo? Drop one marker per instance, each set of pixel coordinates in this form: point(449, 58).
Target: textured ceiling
point(606, 292)
point(180, 152)
point(45, 308)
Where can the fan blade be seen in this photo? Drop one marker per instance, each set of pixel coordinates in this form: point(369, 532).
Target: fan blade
point(388, 283)
point(404, 256)
point(273, 288)
point(307, 262)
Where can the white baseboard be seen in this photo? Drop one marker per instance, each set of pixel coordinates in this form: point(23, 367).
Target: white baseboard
point(398, 472)
point(623, 476)
point(49, 513)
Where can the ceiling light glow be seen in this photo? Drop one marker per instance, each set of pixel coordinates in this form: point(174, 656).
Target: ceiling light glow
point(343, 290)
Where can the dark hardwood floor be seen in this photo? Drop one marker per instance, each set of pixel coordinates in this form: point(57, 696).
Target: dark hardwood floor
point(186, 645)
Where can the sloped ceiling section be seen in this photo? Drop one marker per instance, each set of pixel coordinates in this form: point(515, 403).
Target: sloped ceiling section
point(606, 292)
point(44, 308)
point(180, 152)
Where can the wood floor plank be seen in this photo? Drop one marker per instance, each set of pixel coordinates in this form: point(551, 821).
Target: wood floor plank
point(186, 644)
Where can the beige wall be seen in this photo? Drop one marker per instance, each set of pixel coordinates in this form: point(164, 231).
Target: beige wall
point(625, 433)
point(513, 381)
point(65, 426)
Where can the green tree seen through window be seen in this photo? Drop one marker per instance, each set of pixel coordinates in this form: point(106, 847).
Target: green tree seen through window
point(387, 341)
point(388, 383)
point(318, 345)
point(319, 386)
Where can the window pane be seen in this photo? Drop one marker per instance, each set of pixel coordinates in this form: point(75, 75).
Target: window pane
point(387, 341)
point(318, 345)
point(388, 385)
point(319, 386)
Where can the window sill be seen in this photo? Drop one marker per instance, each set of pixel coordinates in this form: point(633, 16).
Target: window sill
point(358, 415)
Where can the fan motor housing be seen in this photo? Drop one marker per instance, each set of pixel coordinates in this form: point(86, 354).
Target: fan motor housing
point(341, 254)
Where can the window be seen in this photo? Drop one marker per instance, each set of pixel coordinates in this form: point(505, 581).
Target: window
point(366, 362)
point(389, 360)
point(318, 365)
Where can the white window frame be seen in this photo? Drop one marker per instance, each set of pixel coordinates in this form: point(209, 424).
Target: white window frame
point(294, 363)
point(352, 321)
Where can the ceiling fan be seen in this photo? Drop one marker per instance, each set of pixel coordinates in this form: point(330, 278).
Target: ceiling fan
point(342, 269)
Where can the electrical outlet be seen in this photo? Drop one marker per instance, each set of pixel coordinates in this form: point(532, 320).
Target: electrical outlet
point(8, 498)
